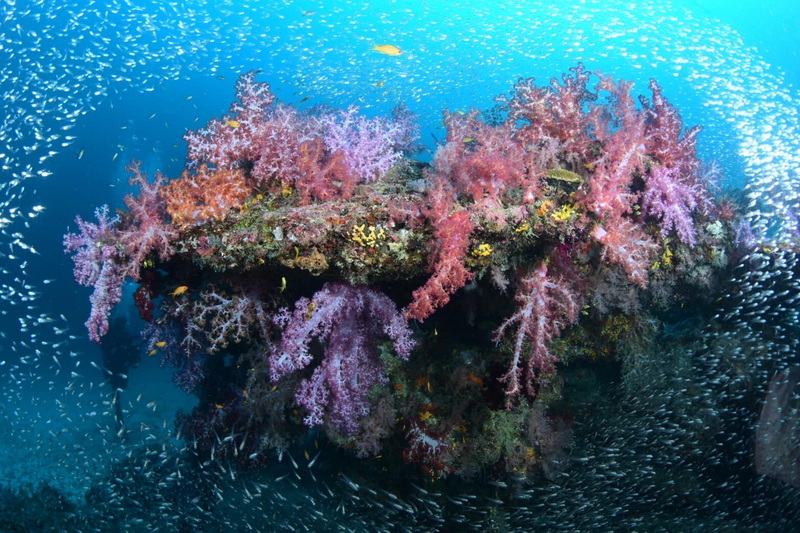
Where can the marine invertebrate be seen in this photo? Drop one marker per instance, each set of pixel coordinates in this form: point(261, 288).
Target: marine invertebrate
point(98, 264)
point(546, 306)
point(205, 194)
point(145, 229)
point(321, 156)
point(349, 321)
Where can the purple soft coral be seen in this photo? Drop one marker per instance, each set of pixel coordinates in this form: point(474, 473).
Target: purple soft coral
point(370, 146)
point(88, 246)
point(106, 252)
point(99, 265)
point(350, 321)
point(672, 200)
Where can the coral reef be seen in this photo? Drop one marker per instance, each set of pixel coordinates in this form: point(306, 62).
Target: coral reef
point(412, 311)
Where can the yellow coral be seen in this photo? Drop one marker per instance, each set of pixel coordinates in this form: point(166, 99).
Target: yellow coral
point(564, 214)
point(367, 236)
point(482, 250)
point(614, 327)
point(665, 261)
point(666, 258)
point(425, 415)
point(530, 453)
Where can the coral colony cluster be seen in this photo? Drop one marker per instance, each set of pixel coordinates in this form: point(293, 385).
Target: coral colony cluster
point(306, 275)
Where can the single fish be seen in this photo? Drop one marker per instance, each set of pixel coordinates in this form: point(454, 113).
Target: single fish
point(387, 49)
point(178, 291)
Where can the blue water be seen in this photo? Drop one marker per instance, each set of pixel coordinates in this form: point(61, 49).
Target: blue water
point(94, 86)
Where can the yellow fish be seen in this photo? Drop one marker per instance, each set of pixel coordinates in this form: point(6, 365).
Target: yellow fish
point(161, 344)
point(310, 312)
point(180, 290)
point(233, 123)
point(387, 49)
point(152, 353)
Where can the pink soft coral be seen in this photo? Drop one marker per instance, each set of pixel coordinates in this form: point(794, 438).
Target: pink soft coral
point(620, 128)
point(553, 112)
point(547, 305)
point(321, 156)
point(627, 244)
point(145, 228)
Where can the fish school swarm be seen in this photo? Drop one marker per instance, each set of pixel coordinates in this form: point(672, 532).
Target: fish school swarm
point(420, 312)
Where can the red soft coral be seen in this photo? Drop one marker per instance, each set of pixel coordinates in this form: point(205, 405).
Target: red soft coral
point(620, 128)
point(452, 231)
point(323, 174)
point(484, 161)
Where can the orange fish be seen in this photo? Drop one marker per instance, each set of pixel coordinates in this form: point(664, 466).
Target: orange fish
point(475, 379)
point(180, 290)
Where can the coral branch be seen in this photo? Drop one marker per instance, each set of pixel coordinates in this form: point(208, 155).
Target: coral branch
point(449, 272)
point(546, 307)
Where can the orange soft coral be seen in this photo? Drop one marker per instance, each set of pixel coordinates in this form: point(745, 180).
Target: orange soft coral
point(208, 194)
